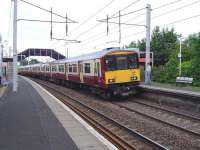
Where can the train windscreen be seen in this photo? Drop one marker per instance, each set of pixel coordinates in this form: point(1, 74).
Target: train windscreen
point(121, 62)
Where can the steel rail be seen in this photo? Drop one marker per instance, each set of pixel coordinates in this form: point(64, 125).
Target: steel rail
point(169, 111)
point(158, 120)
point(109, 134)
point(117, 141)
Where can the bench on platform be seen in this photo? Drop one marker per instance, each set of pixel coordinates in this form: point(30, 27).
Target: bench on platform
point(184, 80)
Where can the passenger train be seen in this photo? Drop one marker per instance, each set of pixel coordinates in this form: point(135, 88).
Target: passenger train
point(111, 71)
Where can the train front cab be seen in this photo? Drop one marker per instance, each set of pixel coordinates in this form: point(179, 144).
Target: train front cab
point(121, 72)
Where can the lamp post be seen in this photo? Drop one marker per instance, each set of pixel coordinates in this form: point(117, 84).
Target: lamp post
point(180, 54)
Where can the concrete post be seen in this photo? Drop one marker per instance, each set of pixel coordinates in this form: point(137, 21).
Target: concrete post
point(148, 30)
point(1, 60)
point(15, 84)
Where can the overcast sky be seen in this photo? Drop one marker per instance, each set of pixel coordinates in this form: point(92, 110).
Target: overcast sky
point(37, 35)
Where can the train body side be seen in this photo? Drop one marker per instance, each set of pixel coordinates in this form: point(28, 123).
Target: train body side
point(92, 72)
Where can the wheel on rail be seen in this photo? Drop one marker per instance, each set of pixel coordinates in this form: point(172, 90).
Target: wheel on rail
point(107, 95)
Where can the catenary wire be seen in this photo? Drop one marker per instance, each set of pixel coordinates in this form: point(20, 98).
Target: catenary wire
point(174, 22)
point(131, 19)
point(93, 15)
point(123, 14)
point(167, 4)
point(64, 17)
point(181, 20)
point(101, 34)
point(154, 9)
point(136, 33)
point(86, 20)
point(135, 17)
point(111, 32)
point(176, 9)
point(93, 27)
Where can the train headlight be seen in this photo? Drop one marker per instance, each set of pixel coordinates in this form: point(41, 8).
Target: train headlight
point(111, 80)
point(134, 78)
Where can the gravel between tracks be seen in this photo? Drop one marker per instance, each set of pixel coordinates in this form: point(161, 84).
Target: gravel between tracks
point(163, 134)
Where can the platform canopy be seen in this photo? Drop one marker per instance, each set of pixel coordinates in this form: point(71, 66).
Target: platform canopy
point(40, 52)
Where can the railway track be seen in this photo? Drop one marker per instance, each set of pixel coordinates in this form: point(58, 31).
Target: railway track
point(193, 117)
point(120, 135)
point(183, 122)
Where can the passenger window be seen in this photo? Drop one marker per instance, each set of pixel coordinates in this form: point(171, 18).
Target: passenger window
point(87, 68)
point(61, 68)
point(53, 68)
point(74, 66)
point(47, 68)
point(70, 67)
point(66, 68)
point(96, 69)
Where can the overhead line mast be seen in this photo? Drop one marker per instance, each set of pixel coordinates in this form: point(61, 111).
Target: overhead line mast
point(148, 36)
point(15, 83)
point(148, 30)
point(15, 56)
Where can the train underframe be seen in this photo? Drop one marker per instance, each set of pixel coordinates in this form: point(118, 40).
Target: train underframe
point(124, 89)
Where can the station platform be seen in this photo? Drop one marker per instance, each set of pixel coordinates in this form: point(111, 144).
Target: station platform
point(33, 119)
point(175, 90)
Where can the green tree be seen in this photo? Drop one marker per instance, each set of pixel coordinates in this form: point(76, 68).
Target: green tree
point(193, 42)
point(133, 44)
point(171, 68)
point(142, 44)
point(139, 44)
point(162, 44)
point(165, 46)
point(168, 72)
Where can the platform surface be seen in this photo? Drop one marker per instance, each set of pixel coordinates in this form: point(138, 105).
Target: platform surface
point(32, 120)
point(172, 90)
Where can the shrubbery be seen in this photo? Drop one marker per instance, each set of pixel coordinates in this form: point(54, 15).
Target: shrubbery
point(168, 72)
point(165, 46)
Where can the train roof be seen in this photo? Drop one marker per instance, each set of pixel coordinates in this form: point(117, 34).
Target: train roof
point(33, 65)
point(94, 55)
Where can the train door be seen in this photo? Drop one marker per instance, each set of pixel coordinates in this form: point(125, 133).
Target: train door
point(66, 71)
point(50, 67)
point(81, 72)
point(97, 70)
